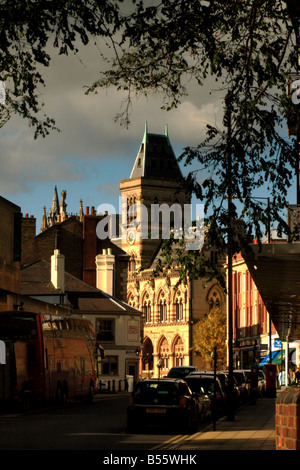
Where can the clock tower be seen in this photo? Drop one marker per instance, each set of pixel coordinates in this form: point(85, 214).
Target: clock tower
point(153, 187)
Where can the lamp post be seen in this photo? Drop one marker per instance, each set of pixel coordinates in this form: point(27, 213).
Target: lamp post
point(214, 357)
point(227, 121)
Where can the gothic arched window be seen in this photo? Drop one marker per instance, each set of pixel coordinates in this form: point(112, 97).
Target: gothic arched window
point(214, 300)
point(147, 310)
point(179, 310)
point(164, 353)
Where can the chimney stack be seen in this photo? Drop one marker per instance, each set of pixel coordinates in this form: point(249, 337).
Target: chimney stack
point(58, 270)
point(105, 265)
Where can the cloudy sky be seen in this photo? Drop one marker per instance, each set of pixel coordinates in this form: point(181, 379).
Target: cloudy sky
point(91, 153)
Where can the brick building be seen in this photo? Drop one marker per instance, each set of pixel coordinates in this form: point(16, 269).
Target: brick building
point(10, 254)
point(75, 237)
point(252, 327)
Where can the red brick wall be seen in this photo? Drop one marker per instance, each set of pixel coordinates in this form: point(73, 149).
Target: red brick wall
point(287, 423)
point(9, 267)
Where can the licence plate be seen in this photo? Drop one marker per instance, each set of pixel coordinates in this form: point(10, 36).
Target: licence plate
point(155, 410)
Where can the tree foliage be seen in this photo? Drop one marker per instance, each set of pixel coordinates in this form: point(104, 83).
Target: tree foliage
point(246, 48)
point(29, 30)
point(210, 333)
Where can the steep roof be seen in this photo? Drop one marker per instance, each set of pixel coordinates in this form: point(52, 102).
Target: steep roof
point(156, 158)
point(36, 281)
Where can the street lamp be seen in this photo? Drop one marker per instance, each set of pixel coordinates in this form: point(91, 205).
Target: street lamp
point(227, 119)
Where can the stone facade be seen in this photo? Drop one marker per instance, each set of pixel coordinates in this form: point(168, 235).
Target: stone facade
point(170, 311)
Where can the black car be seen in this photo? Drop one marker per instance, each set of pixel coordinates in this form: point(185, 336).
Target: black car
point(198, 381)
point(181, 371)
point(163, 401)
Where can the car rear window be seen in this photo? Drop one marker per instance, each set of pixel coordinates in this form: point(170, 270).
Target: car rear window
point(156, 388)
point(196, 383)
point(180, 372)
point(157, 392)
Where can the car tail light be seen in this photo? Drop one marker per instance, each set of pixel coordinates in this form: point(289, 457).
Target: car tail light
point(182, 402)
point(218, 396)
point(131, 401)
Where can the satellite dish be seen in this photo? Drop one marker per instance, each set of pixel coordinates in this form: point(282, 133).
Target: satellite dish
point(2, 92)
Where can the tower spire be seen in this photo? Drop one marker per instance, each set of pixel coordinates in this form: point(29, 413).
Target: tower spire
point(44, 224)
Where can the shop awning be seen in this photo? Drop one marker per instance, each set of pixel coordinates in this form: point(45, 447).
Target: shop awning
point(266, 360)
point(280, 358)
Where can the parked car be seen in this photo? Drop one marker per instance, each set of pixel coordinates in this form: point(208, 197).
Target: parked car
point(243, 384)
point(223, 376)
point(262, 382)
point(204, 404)
point(181, 371)
point(205, 381)
point(165, 401)
point(261, 386)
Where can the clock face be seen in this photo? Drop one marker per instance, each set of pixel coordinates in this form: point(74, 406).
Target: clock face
point(131, 237)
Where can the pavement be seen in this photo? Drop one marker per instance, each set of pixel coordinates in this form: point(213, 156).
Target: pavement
point(253, 428)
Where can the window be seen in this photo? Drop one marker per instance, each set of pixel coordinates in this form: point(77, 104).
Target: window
point(132, 264)
point(147, 312)
point(110, 365)
point(243, 321)
point(31, 351)
point(179, 361)
point(179, 310)
point(164, 354)
point(214, 300)
point(163, 311)
point(179, 351)
point(105, 330)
